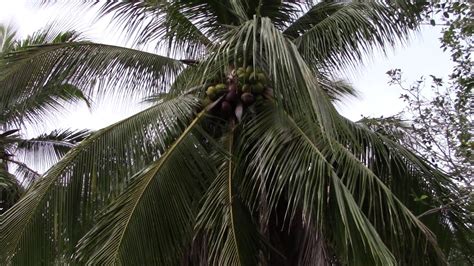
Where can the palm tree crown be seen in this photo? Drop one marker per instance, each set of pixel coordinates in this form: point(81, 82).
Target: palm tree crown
point(241, 158)
point(20, 109)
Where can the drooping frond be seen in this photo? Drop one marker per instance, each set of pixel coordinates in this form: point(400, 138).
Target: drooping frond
point(33, 107)
point(93, 68)
point(90, 176)
point(289, 166)
point(224, 221)
point(10, 190)
point(160, 22)
point(337, 90)
point(318, 177)
point(337, 34)
point(153, 219)
point(24, 174)
point(420, 187)
point(46, 149)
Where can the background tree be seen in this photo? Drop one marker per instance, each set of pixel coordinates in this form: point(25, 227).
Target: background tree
point(21, 109)
point(437, 127)
point(442, 116)
point(241, 157)
point(437, 122)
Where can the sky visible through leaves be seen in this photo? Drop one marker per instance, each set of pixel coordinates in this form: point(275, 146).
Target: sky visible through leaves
point(420, 57)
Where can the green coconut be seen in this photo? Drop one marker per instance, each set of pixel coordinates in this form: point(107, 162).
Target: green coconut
point(258, 88)
point(249, 69)
point(246, 88)
point(240, 71)
point(253, 77)
point(213, 96)
point(211, 90)
point(243, 78)
point(220, 88)
point(206, 101)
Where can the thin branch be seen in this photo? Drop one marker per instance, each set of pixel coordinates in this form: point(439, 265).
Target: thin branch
point(446, 156)
point(442, 207)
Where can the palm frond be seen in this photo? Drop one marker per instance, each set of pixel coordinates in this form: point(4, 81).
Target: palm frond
point(90, 67)
point(337, 34)
point(223, 220)
point(370, 193)
point(171, 25)
point(9, 136)
point(24, 174)
point(420, 187)
point(295, 86)
point(282, 13)
point(337, 90)
point(21, 105)
point(31, 109)
point(165, 195)
point(88, 178)
point(185, 27)
point(306, 180)
point(9, 41)
point(7, 38)
point(8, 141)
point(10, 189)
point(46, 149)
point(47, 35)
point(317, 176)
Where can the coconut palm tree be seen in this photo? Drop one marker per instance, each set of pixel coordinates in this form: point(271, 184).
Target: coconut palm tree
point(241, 158)
point(21, 110)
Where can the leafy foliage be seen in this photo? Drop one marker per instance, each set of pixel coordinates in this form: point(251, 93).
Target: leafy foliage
point(289, 182)
point(437, 120)
point(435, 127)
point(19, 108)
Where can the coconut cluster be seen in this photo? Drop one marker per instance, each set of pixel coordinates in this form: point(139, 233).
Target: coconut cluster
point(244, 86)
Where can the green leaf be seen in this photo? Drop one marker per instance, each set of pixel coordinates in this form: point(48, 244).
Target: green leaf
point(223, 220)
point(89, 177)
point(160, 201)
point(48, 148)
point(92, 68)
point(33, 107)
point(338, 34)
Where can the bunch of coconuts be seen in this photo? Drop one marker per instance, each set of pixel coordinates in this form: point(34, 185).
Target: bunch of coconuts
point(244, 86)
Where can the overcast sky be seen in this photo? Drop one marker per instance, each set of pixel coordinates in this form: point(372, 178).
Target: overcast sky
point(421, 57)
